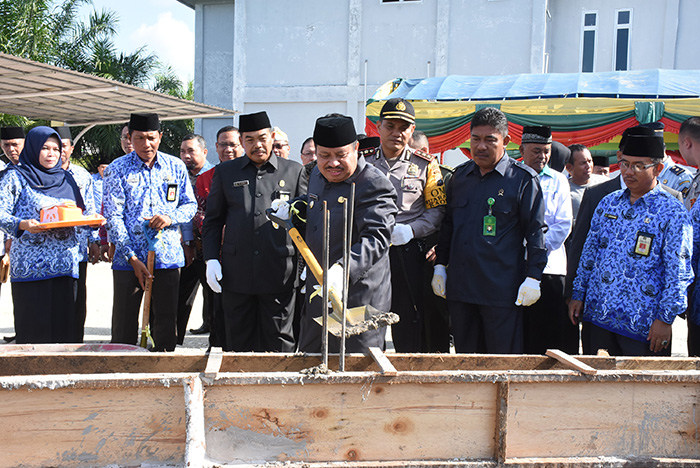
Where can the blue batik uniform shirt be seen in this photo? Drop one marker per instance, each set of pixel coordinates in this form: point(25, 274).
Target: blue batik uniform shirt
point(86, 235)
point(132, 192)
point(694, 307)
point(43, 255)
point(635, 266)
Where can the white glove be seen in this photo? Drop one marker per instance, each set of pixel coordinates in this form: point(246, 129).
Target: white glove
point(528, 293)
point(402, 234)
point(280, 208)
point(214, 275)
point(439, 280)
point(336, 280)
point(302, 278)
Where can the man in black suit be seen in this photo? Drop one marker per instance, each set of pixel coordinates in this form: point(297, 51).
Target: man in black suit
point(257, 271)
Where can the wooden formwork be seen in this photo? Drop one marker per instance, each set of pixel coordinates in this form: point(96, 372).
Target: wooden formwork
point(79, 409)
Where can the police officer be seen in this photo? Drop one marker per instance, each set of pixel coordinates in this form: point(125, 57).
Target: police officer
point(374, 213)
point(673, 175)
point(417, 179)
point(257, 271)
point(494, 217)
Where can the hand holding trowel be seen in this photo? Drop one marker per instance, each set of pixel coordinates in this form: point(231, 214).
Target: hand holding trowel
point(358, 319)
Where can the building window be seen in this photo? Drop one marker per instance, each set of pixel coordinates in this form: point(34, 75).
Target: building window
point(589, 38)
point(401, 1)
point(623, 27)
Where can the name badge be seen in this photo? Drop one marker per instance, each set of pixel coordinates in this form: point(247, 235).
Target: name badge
point(282, 195)
point(172, 192)
point(643, 244)
point(313, 196)
point(240, 183)
point(610, 216)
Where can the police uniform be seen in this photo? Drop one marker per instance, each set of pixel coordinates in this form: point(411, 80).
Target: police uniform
point(417, 179)
point(258, 261)
point(676, 176)
point(486, 266)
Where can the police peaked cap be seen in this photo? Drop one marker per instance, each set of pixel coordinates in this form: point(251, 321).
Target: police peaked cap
point(144, 122)
point(644, 146)
point(253, 122)
point(398, 108)
point(537, 134)
point(64, 133)
point(334, 132)
point(11, 133)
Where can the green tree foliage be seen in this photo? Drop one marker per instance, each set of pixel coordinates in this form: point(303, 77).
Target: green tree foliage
point(51, 31)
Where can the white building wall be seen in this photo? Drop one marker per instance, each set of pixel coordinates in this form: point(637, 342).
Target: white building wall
point(302, 59)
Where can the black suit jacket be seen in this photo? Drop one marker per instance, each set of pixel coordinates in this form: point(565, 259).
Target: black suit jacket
point(255, 257)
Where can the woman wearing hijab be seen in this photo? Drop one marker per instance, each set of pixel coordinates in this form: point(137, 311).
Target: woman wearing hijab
point(43, 262)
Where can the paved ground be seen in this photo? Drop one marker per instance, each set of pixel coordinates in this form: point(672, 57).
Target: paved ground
point(99, 315)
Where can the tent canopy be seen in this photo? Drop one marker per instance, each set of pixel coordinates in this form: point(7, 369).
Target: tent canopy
point(587, 108)
point(40, 91)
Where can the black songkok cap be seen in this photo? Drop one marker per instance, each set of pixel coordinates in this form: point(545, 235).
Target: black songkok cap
point(11, 133)
point(398, 108)
point(537, 134)
point(144, 122)
point(369, 142)
point(64, 133)
point(644, 146)
point(334, 132)
point(601, 161)
point(560, 154)
point(639, 130)
point(253, 122)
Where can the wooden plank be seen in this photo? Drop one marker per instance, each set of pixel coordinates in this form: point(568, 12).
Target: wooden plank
point(502, 421)
point(365, 421)
point(385, 366)
point(74, 427)
point(213, 363)
point(571, 362)
point(633, 419)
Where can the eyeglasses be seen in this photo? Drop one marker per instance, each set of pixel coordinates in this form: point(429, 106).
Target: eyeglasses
point(280, 145)
point(636, 167)
point(308, 153)
point(228, 145)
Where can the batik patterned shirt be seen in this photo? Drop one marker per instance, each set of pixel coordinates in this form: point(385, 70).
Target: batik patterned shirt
point(47, 254)
point(134, 192)
point(86, 235)
point(635, 266)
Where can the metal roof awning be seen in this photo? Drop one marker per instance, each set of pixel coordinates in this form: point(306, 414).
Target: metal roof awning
point(40, 91)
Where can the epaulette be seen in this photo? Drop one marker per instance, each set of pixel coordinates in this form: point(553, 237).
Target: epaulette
point(525, 167)
point(677, 170)
point(368, 151)
point(423, 155)
point(446, 168)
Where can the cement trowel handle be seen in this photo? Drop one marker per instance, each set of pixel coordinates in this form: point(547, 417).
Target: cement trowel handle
point(313, 265)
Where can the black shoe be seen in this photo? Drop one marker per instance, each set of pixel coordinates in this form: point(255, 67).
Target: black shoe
point(10, 339)
point(201, 330)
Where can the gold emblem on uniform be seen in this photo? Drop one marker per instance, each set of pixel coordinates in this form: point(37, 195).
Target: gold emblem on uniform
point(341, 199)
point(501, 192)
point(400, 106)
point(311, 205)
point(413, 169)
point(281, 183)
point(647, 220)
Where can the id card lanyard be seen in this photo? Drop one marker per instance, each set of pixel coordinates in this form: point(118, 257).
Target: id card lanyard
point(490, 220)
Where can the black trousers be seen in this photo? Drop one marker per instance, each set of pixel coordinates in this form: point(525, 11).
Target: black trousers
point(546, 322)
point(693, 339)
point(486, 329)
point(407, 266)
point(45, 310)
point(258, 322)
point(127, 303)
point(436, 318)
point(81, 301)
point(190, 279)
point(595, 338)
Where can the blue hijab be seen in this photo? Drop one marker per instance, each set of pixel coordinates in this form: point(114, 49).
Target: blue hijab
point(54, 182)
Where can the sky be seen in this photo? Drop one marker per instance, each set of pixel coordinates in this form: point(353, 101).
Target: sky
point(165, 27)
